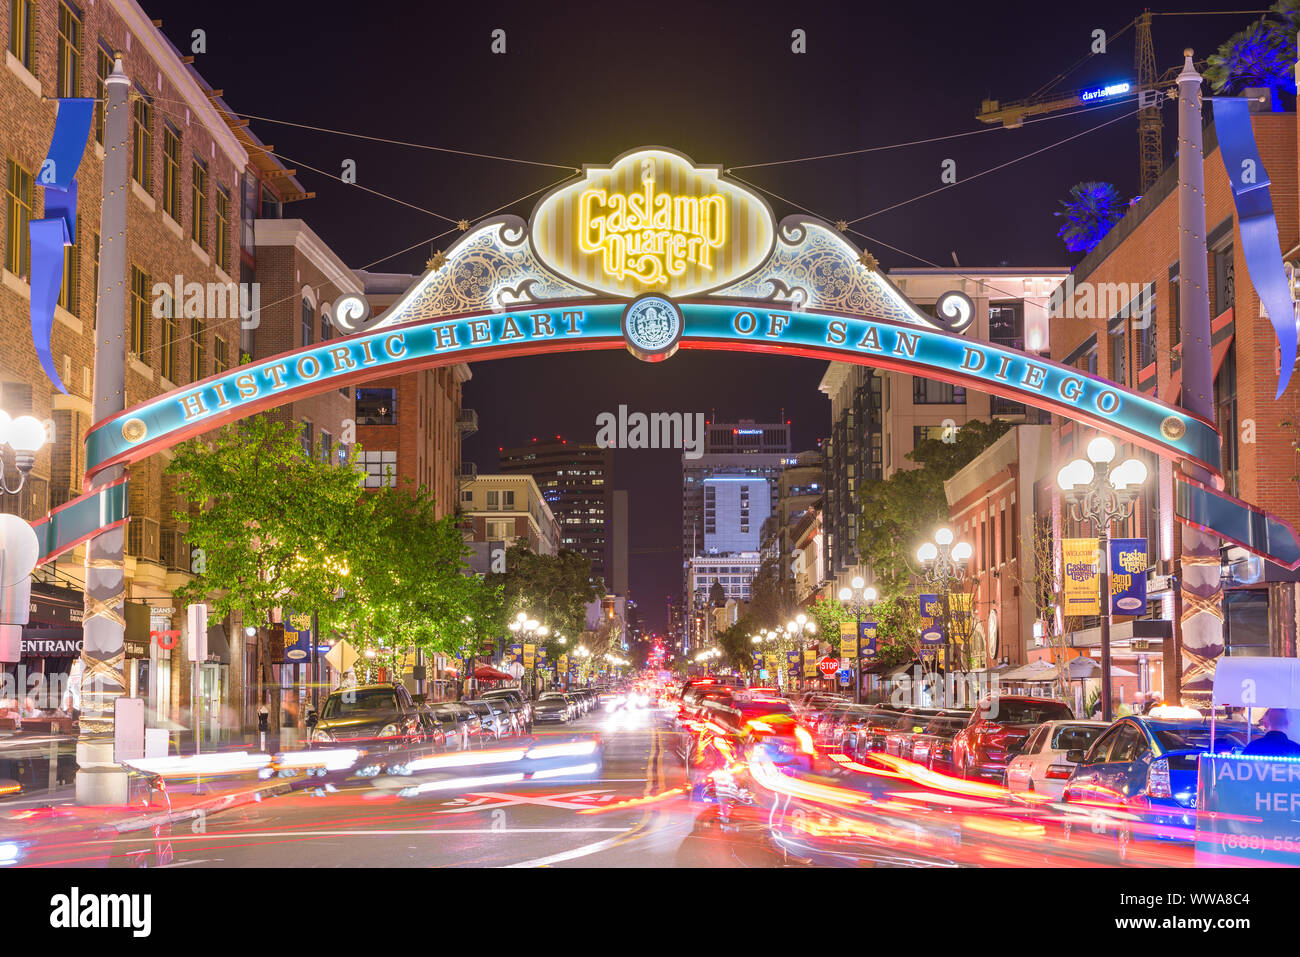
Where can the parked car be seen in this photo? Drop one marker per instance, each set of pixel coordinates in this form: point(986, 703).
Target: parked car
point(460, 723)
point(912, 722)
point(933, 748)
point(997, 731)
point(1140, 776)
point(1043, 764)
point(370, 714)
point(494, 718)
point(845, 722)
point(866, 732)
point(552, 706)
point(517, 696)
point(825, 724)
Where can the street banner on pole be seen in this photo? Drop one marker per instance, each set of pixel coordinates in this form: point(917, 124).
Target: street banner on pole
point(849, 640)
point(530, 655)
point(516, 654)
point(297, 636)
point(757, 657)
point(1128, 576)
point(1080, 559)
point(809, 663)
point(867, 639)
point(792, 663)
point(771, 661)
point(931, 626)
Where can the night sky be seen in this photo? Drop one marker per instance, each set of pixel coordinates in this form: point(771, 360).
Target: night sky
point(584, 82)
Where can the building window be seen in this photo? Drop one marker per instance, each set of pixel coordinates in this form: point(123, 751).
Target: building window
point(932, 392)
point(169, 346)
point(103, 69)
point(1007, 325)
point(220, 357)
point(308, 436)
point(69, 77)
point(142, 140)
point(1225, 417)
point(140, 287)
point(69, 292)
point(222, 250)
point(1225, 294)
point(308, 322)
point(380, 467)
point(171, 185)
point(376, 406)
point(326, 447)
point(22, 32)
point(1118, 367)
point(199, 202)
point(198, 352)
point(325, 330)
point(19, 195)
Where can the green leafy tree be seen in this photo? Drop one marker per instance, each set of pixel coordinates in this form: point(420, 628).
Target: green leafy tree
point(828, 613)
point(274, 524)
point(900, 512)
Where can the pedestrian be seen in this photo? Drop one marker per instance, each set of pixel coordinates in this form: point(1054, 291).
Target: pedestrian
point(1276, 741)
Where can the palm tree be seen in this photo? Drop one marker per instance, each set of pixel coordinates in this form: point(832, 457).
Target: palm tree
point(1263, 54)
point(1092, 209)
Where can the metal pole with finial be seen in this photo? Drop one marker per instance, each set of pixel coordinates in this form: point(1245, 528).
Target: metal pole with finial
point(100, 779)
point(1199, 585)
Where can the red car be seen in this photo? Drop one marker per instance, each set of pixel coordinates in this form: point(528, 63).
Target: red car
point(997, 730)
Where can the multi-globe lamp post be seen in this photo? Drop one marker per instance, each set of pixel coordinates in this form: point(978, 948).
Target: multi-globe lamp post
point(945, 565)
point(1102, 495)
point(801, 625)
point(857, 597)
point(529, 630)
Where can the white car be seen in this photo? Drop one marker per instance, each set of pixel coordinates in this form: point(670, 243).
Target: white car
point(1041, 766)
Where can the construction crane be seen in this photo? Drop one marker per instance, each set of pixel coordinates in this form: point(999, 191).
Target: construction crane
point(1146, 84)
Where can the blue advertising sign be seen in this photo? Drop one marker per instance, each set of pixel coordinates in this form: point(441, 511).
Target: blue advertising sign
point(1248, 810)
point(758, 658)
point(867, 639)
point(1128, 576)
point(516, 655)
point(793, 663)
point(297, 636)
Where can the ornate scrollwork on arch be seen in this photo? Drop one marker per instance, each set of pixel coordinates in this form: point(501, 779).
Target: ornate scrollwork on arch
point(491, 268)
point(814, 267)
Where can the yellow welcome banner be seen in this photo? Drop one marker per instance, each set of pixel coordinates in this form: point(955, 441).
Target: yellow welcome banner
point(1079, 558)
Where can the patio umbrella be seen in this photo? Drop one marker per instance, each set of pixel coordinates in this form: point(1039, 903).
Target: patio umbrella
point(1084, 668)
point(488, 673)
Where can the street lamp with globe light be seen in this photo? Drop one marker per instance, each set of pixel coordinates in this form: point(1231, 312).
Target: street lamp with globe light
point(800, 626)
point(25, 436)
point(1102, 495)
point(945, 565)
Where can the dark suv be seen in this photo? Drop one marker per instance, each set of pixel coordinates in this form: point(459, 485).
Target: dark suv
point(369, 714)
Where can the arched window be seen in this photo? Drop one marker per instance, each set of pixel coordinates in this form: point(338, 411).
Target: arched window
point(326, 324)
point(308, 322)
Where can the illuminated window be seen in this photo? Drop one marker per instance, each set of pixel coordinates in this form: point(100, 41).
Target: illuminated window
point(140, 312)
point(222, 249)
point(198, 352)
point(69, 77)
point(142, 141)
point(220, 356)
point(103, 68)
point(380, 468)
point(69, 293)
point(171, 186)
point(22, 32)
point(19, 191)
point(376, 406)
point(308, 322)
point(199, 203)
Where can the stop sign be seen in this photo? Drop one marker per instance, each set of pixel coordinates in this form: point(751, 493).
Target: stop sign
point(828, 666)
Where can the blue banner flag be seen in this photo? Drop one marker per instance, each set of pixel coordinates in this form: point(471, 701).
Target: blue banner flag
point(931, 627)
point(50, 236)
point(793, 661)
point(1128, 576)
point(1259, 239)
point(867, 639)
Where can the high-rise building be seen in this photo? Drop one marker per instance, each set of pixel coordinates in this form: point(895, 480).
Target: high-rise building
point(577, 482)
point(730, 490)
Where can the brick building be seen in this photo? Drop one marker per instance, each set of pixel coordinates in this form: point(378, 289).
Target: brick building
point(410, 426)
point(1136, 265)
